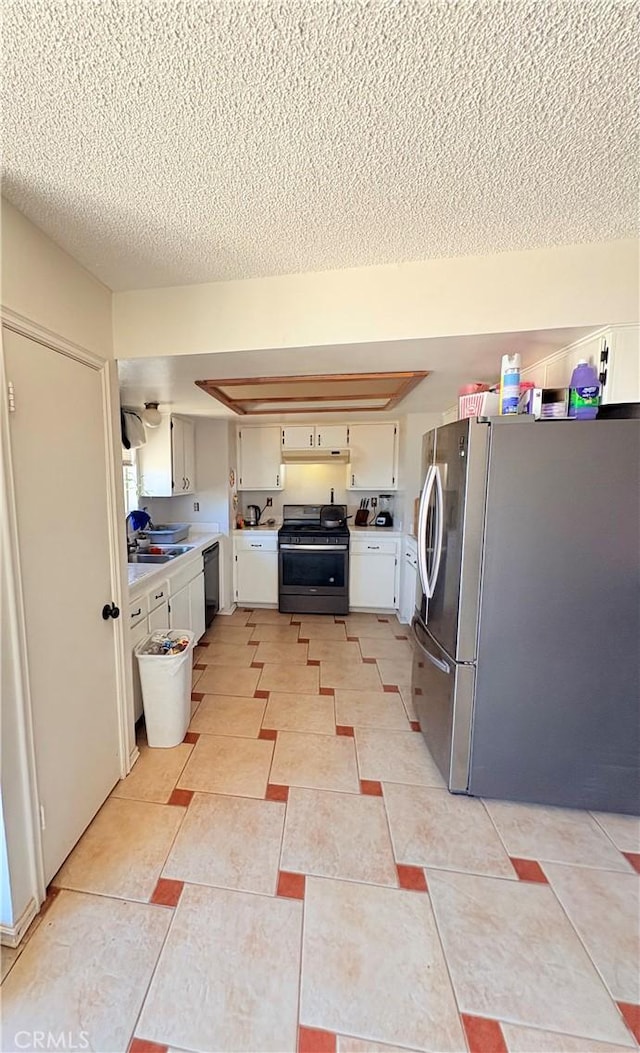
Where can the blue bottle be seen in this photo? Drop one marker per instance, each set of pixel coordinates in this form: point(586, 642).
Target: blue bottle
point(584, 396)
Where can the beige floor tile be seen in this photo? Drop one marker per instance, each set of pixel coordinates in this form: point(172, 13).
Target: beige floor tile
point(268, 632)
point(236, 635)
point(228, 654)
point(314, 619)
point(368, 625)
point(8, 958)
point(239, 617)
point(269, 616)
point(361, 939)
point(222, 764)
point(229, 680)
point(195, 677)
point(382, 647)
point(321, 762)
point(347, 1044)
point(395, 672)
point(559, 835)
point(370, 709)
point(530, 1040)
point(154, 774)
point(604, 908)
point(433, 828)
point(229, 715)
point(313, 713)
point(322, 630)
point(339, 651)
point(349, 676)
point(123, 850)
point(513, 955)
point(232, 842)
point(339, 835)
point(290, 679)
point(227, 979)
point(273, 653)
point(407, 702)
point(86, 970)
point(395, 756)
point(624, 830)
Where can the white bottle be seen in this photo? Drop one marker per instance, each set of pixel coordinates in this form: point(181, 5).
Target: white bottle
point(509, 384)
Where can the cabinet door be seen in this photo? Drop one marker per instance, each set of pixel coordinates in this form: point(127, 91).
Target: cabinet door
point(137, 635)
point(259, 456)
point(331, 436)
point(177, 456)
point(408, 582)
point(155, 461)
point(196, 604)
point(180, 609)
point(298, 437)
point(159, 618)
point(256, 576)
point(373, 457)
point(623, 366)
point(372, 580)
point(189, 455)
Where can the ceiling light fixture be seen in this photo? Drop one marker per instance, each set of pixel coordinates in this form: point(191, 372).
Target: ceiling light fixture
point(151, 415)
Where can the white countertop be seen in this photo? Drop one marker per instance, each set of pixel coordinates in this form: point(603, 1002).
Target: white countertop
point(143, 575)
point(262, 529)
point(360, 533)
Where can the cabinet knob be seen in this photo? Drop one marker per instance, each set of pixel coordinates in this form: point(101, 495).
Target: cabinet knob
point(319, 439)
point(111, 611)
point(311, 439)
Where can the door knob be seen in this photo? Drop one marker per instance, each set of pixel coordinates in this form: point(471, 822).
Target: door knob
point(110, 611)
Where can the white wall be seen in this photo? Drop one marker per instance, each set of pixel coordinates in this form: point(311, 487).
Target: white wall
point(569, 285)
point(43, 283)
point(413, 427)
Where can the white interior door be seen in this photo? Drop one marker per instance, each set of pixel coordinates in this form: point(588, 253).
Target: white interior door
point(59, 457)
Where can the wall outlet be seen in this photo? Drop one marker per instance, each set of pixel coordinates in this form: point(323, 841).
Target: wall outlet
point(196, 506)
point(269, 503)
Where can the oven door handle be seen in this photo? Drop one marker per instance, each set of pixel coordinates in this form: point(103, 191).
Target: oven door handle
point(315, 548)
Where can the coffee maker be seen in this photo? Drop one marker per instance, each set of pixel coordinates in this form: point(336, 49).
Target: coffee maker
point(384, 517)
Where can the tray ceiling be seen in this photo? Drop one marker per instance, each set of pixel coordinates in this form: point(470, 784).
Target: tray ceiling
point(164, 143)
point(320, 394)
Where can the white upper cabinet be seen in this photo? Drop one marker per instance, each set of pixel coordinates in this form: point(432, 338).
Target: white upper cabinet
point(620, 364)
point(331, 436)
point(314, 436)
point(374, 457)
point(298, 437)
point(184, 456)
point(167, 461)
point(259, 458)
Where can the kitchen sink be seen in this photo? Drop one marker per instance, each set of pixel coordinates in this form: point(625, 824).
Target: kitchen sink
point(148, 557)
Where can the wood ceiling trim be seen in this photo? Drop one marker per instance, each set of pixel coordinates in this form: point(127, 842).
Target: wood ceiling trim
point(404, 383)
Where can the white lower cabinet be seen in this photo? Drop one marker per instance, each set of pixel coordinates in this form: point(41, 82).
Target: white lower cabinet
point(139, 633)
point(180, 609)
point(196, 606)
point(159, 619)
point(408, 580)
point(255, 569)
point(373, 574)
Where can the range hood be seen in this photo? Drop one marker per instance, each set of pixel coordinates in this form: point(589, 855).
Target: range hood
point(315, 455)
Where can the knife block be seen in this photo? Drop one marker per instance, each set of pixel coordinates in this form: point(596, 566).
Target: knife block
point(362, 517)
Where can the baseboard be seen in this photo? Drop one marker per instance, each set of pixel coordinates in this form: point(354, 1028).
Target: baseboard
point(133, 756)
point(10, 936)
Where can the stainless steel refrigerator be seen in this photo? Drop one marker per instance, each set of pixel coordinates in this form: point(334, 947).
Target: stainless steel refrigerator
point(526, 672)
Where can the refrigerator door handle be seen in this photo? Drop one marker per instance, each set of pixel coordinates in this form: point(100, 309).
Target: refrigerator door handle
point(425, 497)
point(444, 667)
point(439, 531)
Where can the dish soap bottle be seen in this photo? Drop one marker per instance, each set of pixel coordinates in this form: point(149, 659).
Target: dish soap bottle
point(584, 396)
point(510, 384)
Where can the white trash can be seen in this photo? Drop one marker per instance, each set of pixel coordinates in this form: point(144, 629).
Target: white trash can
point(166, 689)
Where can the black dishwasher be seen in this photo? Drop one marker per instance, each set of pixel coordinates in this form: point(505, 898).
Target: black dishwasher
point(211, 557)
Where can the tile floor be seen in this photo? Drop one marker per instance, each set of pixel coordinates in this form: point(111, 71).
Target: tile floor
point(294, 876)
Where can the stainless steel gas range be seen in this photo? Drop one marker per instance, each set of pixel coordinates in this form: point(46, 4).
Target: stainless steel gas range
point(313, 562)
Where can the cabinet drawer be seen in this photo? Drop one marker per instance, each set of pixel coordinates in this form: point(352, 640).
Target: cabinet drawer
point(252, 543)
point(157, 596)
point(137, 611)
point(373, 547)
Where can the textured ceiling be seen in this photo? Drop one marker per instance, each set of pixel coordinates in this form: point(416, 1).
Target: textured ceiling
point(173, 141)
